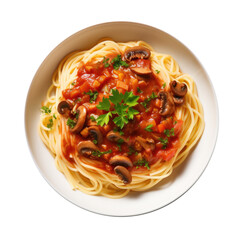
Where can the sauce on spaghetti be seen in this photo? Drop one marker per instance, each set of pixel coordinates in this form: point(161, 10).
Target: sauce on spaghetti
point(147, 137)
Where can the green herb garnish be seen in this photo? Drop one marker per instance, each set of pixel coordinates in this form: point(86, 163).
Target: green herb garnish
point(95, 141)
point(169, 133)
point(54, 116)
point(105, 62)
point(93, 118)
point(50, 123)
point(157, 71)
point(142, 163)
point(98, 153)
point(93, 95)
point(163, 86)
point(139, 90)
point(146, 102)
point(164, 142)
point(71, 123)
point(122, 107)
point(149, 128)
point(45, 109)
point(118, 62)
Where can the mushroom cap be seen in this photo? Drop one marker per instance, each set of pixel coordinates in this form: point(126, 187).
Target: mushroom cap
point(64, 107)
point(120, 160)
point(178, 89)
point(123, 174)
point(138, 52)
point(115, 137)
point(82, 114)
point(85, 148)
point(95, 132)
point(141, 70)
point(178, 100)
point(147, 143)
point(167, 103)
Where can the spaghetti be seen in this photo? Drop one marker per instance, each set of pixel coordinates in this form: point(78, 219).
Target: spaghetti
point(119, 118)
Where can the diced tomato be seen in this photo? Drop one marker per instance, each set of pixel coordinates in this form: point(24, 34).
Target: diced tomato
point(161, 127)
point(178, 127)
point(75, 93)
point(134, 83)
point(122, 85)
point(167, 154)
point(84, 87)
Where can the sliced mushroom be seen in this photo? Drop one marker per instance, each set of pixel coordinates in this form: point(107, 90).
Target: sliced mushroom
point(138, 52)
point(141, 70)
point(178, 89)
point(120, 160)
point(86, 148)
point(123, 174)
point(95, 132)
point(178, 100)
point(64, 107)
point(81, 113)
point(167, 104)
point(147, 143)
point(115, 137)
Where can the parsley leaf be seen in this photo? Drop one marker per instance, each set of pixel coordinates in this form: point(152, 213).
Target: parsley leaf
point(104, 119)
point(50, 123)
point(157, 71)
point(71, 123)
point(45, 109)
point(93, 95)
point(149, 128)
point(163, 86)
point(104, 105)
point(118, 62)
point(93, 118)
point(142, 163)
point(116, 97)
point(95, 141)
point(139, 90)
point(169, 133)
point(164, 142)
point(105, 62)
point(147, 101)
point(98, 153)
point(122, 107)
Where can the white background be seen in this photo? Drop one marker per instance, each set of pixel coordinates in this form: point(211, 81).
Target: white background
point(30, 208)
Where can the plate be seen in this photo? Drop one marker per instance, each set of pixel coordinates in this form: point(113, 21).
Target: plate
point(182, 178)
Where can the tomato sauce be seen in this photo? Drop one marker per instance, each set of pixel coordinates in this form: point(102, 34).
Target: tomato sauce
point(100, 79)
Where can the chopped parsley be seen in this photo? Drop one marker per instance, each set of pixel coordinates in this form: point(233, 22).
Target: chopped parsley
point(164, 142)
point(54, 116)
point(119, 144)
point(71, 123)
point(147, 101)
point(50, 123)
point(98, 153)
point(122, 107)
point(119, 131)
point(149, 128)
point(93, 95)
point(45, 109)
point(95, 141)
point(118, 62)
point(139, 90)
point(157, 71)
point(131, 151)
point(169, 133)
point(142, 163)
point(163, 86)
point(93, 118)
point(105, 62)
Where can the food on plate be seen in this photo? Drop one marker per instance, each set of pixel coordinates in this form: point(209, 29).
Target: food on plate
point(119, 118)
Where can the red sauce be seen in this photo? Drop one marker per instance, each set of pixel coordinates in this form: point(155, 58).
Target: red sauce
point(97, 77)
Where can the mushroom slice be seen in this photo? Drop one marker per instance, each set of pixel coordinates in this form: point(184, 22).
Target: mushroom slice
point(81, 113)
point(141, 70)
point(138, 52)
point(120, 160)
point(147, 143)
point(95, 132)
point(115, 137)
point(167, 104)
point(64, 107)
point(86, 148)
point(178, 100)
point(123, 174)
point(178, 89)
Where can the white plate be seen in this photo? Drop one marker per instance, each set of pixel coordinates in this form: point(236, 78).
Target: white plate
point(182, 178)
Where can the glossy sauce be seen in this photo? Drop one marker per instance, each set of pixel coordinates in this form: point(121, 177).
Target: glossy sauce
point(96, 77)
